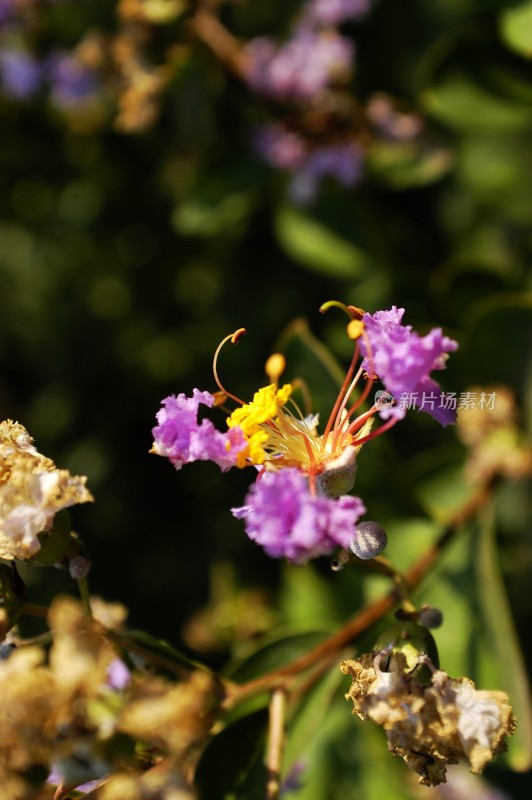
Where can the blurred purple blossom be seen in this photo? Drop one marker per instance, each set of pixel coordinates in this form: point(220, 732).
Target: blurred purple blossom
point(71, 81)
point(20, 73)
point(403, 359)
point(391, 122)
point(334, 12)
point(181, 438)
point(288, 521)
point(343, 162)
point(309, 165)
point(301, 67)
point(280, 147)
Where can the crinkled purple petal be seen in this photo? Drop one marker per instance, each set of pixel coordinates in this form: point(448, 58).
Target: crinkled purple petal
point(282, 515)
point(180, 437)
point(403, 359)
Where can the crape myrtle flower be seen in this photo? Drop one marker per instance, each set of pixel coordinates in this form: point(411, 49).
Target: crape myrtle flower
point(403, 360)
point(334, 12)
point(301, 67)
point(308, 164)
point(20, 73)
point(298, 508)
point(71, 81)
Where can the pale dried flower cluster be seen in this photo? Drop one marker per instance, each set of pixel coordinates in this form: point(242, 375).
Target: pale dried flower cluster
point(63, 713)
point(430, 726)
point(497, 445)
point(32, 491)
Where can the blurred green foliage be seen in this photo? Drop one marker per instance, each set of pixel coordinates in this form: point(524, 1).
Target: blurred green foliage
point(126, 258)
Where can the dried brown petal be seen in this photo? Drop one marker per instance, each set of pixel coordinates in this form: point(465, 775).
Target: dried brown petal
point(32, 491)
point(429, 726)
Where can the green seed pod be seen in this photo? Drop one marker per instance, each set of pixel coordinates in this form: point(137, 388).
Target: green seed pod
point(413, 641)
point(11, 599)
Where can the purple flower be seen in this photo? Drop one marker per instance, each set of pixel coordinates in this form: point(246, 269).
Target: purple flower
point(71, 81)
point(280, 147)
point(285, 149)
point(299, 68)
point(288, 521)
point(20, 72)
point(403, 359)
point(334, 12)
point(342, 161)
point(6, 9)
point(182, 439)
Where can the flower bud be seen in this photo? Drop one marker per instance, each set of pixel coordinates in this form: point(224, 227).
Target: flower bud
point(370, 540)
point(430, 617)
point(79, 567)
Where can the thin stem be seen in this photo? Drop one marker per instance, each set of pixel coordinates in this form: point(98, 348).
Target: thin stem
point(83, 586)
point(274, 755)
point(227, 49)
point(34, 610)
point(401, 586)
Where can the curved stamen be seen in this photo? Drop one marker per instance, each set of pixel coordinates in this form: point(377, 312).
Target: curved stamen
point(233, 337)
point(385, 427)
point(347, 381)
point(336, 304)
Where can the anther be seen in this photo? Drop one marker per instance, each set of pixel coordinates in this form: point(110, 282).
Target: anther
point(355, 329)
point(275, 366)
point(237, 334)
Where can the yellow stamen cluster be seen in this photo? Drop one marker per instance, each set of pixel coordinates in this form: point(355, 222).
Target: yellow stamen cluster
point(251, 418)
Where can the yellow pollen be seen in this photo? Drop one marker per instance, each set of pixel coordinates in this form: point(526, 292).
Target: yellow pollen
point(264, 406)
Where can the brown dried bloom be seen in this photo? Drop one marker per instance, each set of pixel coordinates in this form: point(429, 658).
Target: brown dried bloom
point(50, 712)
point(32, 491)
point(175, 717)
point(491, 431)
point(430, 726)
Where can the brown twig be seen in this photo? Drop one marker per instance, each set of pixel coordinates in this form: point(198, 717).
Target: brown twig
point(226, 47)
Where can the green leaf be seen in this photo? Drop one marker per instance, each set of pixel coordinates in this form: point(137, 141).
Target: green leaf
point(160, 646)
point(404, 165)
point(463, 103)
point(515, 26)
point(276, 653)
point(229, 757)
point(317, 246)
point(309, 717)
point(504, 655)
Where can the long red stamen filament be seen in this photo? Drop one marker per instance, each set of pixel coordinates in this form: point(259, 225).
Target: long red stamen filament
point(363, 396)
point(385, 427)
point(337, 428)
point(360, 421)
point(340, 398)
point(233, 337)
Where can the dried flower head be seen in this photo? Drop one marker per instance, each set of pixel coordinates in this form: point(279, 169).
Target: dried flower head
point(32, 491)
point(490, 429)
point(432, 725)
